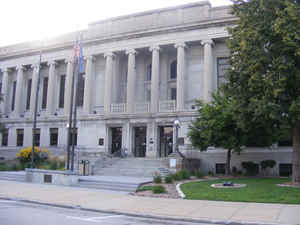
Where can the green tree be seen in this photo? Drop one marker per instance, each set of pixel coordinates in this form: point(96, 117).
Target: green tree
point(264, 80)
point(217, 127)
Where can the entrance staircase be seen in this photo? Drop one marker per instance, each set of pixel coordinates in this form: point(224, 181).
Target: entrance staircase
point(132, 167)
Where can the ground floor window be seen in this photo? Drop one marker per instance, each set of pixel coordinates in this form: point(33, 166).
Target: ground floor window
point(4, 137)
point(220, 168)
point(20, 137)
point(37, 135)
point(53, 136)
point(285, 169)
point(74, 136)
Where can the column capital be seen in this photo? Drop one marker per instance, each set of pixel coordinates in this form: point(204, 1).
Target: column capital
point(154, 48)
point(109, 54)
point(20, 67)
point(180, 45)
point(207, 41)
point(68, 60)
point(5, 70)
point(90, 57)
point(52, 63)
point(131, 51)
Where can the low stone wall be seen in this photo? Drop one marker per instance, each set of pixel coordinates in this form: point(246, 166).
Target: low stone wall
point(66, 178)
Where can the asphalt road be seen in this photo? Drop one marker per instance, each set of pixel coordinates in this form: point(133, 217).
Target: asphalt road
point(20, 213)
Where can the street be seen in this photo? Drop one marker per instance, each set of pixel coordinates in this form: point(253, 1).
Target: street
point(20, 213)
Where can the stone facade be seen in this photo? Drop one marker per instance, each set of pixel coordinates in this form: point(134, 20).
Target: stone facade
point(142, 72)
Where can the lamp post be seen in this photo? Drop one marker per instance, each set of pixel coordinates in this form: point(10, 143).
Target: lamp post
point(177, 126)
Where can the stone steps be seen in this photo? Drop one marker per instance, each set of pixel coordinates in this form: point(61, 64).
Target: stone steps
point(13, 176)
point(106, 185)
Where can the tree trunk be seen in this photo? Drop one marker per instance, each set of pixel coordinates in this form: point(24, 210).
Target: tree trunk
point(228, 167)
point(296, 153)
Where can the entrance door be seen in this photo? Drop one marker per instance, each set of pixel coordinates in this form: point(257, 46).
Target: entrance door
point(166, 141)
point(140, 134)
point(116, 139)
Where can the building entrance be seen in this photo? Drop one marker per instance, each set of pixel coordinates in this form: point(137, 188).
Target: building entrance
point(116, 139)
point(140, 134)
point(165, 141)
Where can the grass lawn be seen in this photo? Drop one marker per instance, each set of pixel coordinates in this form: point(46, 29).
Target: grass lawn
point(257, 190)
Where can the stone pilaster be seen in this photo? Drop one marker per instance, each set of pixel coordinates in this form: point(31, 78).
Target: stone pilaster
point(4, 107)
point(88, 85)
point(51, 88)
point(208, 69)
point(19, 91)
point(108, 81)
point(180, 76)
point(131, 80)
point(34, 83)
point(155, 79)
point(68, 86)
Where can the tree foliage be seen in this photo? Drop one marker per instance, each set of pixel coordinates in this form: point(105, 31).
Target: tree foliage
point(264, 80)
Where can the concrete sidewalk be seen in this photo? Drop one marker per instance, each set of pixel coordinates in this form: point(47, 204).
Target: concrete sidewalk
point(201, 210)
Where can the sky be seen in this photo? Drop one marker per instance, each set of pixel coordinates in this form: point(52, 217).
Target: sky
point(29, 20)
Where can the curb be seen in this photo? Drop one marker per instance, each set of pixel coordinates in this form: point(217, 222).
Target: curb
point(179, 191)
point(219, 222)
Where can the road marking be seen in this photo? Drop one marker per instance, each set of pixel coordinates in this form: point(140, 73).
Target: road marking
point(93, 219)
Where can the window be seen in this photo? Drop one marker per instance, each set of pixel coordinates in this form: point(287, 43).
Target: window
point(285, 169)
point(20, 137)
point(173, 93)
point(148, 95)
point(223, 65)
point(4, 137)
point(62, 91)
point(13, 96)
point(28, 94)
point(53, 136)
point(37, 135)
point(1, 88)
point(45, 90)
point(74, 136)
point(80, 89)
point(220, 168)
point(149, 72)
point(173, 69)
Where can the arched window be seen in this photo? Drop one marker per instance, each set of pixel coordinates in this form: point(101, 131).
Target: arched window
point(173, 69)
point(149, 72)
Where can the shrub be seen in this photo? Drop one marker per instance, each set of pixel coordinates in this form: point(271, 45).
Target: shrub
point(199, 174)
point(158, 189)
point(184, 174)
point(267, 164)
point(53, 164)
point(169, 179)
point(4, 167)
point(211, 173)
point(24, 156)
point(251, 168)
point(157, 179)
point(176, 176)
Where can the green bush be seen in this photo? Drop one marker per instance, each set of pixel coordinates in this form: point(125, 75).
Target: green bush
point(157, 179)
point(169, 179)
point(267, 163)
point(184, 174)
point(251, 168)
point(158, 189)
point(53, 165)
point(211, 173)
point(199, 174)
point(4, 167)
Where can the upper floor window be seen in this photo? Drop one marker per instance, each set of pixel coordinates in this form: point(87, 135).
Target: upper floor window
point(13, 95)
point(61, 100)
point(45, 90)
point(223, 65)
point(173, 70)
point(149, 72)
point(80, 90)
point(28, 94)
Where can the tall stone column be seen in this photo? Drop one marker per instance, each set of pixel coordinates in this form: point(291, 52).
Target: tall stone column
point(19, 91)
point(180, 76)
point(68, 87)
point(51, 88)
point(131, 81)
point(108, 81)
point(88, 85)
point(4, 108)
point(34, 84)
point(208, 69)
point(155, 79)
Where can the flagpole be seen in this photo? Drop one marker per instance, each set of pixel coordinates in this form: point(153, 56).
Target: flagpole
point(35, 111)
point(70, 133)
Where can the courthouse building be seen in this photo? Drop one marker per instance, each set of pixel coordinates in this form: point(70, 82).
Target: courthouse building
point(142, 72)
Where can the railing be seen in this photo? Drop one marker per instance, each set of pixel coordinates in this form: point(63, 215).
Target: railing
point(167, 106)
point(142, 107)
point(118, 108)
